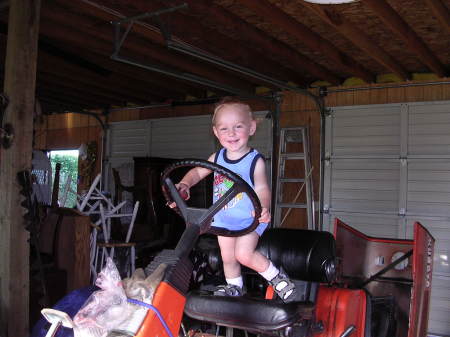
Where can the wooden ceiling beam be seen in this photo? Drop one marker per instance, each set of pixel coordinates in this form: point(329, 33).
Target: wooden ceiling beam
point(312, 40)
point(260, 41)
point(78, 82)
point(254, 37)
point(68, 97)
point(358, 38)
point(96, 98)
point(115, 82)
point(441, 12)
point(96, 34)
point(51, 105)
point(399, 26)
point(187, 28)
point(203, 40)
point(150, 82)
point(119, 81)
point(69, 37)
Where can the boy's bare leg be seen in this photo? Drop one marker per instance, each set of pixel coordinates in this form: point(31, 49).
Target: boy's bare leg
point(231, 266)
point(246, 254)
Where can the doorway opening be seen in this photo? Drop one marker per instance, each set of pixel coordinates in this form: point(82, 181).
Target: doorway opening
point(68, 176)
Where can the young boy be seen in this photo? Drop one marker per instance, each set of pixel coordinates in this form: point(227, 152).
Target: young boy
point(233, 124)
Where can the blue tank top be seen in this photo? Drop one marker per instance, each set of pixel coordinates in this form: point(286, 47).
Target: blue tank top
point(237, 214)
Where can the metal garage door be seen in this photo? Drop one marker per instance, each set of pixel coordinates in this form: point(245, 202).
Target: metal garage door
point(181, 137)
point(387, 166)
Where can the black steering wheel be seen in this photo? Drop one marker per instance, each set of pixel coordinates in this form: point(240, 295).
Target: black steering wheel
point(202, 217)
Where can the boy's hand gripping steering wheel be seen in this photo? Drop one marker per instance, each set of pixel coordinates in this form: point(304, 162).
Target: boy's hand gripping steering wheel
point(202, 217)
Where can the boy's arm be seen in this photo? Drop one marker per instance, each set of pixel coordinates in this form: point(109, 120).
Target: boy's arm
point(262, 189)
point(196, 174)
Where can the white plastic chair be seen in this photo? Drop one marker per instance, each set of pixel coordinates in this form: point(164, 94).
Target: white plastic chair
point(107, 248)
point(89, 203)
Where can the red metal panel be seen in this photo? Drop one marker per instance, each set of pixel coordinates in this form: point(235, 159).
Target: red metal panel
point(422, 272)
point(170, 304)
point(340, 308)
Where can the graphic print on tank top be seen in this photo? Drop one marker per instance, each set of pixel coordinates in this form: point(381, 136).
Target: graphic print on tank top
point(221, 185)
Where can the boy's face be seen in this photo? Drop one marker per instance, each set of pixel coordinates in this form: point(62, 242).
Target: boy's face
point(233, 127)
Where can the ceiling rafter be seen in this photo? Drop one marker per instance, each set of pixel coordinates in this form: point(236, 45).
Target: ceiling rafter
point(215, 42)
point(114, 82)
point(311, 39)
point(258, 40)
point(68, 87)
point(358, 38)
point(44, 90)
point(141, 46)
point(135, 78)
point(128, 94)
point(130, 78)
point(399, 26)
point(233, 46)
point(52, 105)
point(441, 12)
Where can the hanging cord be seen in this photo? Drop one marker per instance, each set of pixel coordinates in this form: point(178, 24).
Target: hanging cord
point(296, 197)
point(149, 306)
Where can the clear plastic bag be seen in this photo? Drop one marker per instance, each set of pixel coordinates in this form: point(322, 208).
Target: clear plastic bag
point(107, 311)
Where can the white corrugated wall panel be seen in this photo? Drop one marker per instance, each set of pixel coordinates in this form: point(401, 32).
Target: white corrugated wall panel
point(406, 175)
point(183, 137)
point(370, 224)
point(429, 187)
point(365, 131)
point(366, 185)
point(128, 140)
point(262, 140)
point(362, 171)
point(428, 199)
point(125, 140)
point(429, 129)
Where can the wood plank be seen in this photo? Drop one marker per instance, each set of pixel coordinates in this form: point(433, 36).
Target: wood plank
point(377, 96)
point(19, 87)
point(81, 265)
point(415, 94)
point(84, 120)
point(446, 91)
point(345, 98)
point(432, 93)
point(396, 95)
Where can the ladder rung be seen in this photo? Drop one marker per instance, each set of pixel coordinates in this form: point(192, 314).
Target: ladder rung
point(293, 135)
point(290, 205)
point(292, 180)
point(293, 155)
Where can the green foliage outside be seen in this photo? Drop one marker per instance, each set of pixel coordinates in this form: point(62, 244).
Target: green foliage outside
point(69, 167)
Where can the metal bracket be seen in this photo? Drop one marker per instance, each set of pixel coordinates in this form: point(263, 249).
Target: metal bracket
point(328, 112)
point(120, 38)
point(323, 91)
point(7, 130)
point(3, 104)
point(387, 268)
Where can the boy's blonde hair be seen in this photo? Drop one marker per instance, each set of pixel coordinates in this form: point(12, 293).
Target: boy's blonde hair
point(231, 101)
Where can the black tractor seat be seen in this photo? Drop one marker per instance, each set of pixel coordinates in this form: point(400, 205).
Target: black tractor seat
point(307, 256)
point(255, 315)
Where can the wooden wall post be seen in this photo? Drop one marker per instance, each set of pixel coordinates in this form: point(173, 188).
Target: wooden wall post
point(19, 87)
